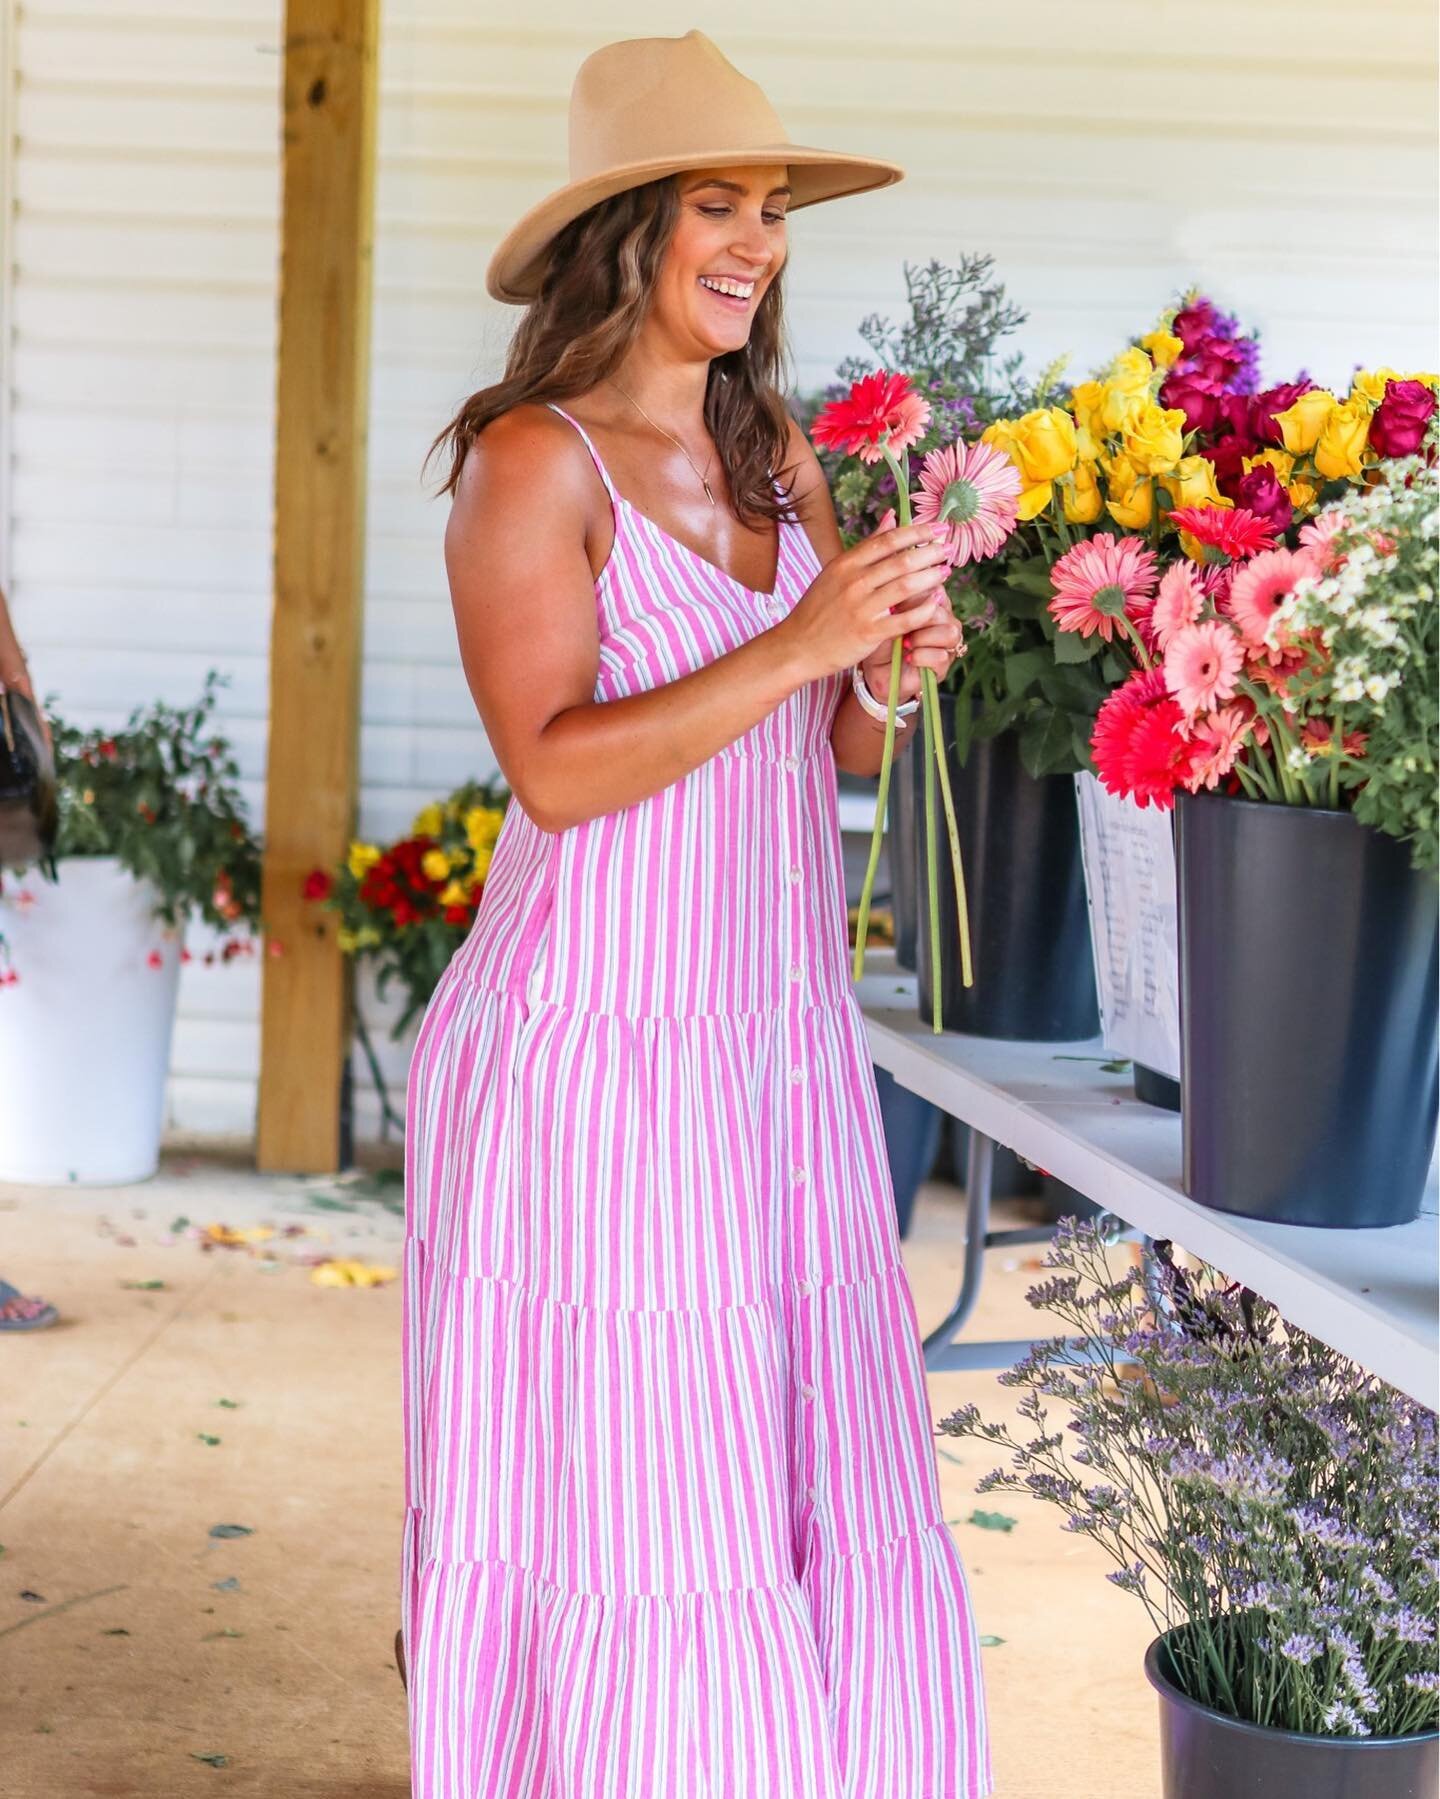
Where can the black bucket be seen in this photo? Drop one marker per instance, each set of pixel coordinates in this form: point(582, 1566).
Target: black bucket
point(1307, 1014)
point(1156, 1089)
point(1029, 927)
point(1205, 1755)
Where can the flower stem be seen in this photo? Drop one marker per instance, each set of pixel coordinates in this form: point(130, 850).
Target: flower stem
point(931, 688)
point(887, 754)
point(932, 881)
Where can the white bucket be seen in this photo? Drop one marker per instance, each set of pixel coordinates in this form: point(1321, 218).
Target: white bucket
point(85, 1031)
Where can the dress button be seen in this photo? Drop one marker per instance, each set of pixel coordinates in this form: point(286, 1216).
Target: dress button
point(796, 1076)
point(792, 762)
point(794, 875)
point(795, 971)
point(814, 1493)
point(797, 1174)
point(808, 1395)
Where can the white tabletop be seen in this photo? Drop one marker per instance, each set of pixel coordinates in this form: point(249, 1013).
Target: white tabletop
point(1370, 1293)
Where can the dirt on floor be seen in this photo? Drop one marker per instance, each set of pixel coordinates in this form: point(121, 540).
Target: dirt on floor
point(200, 1500)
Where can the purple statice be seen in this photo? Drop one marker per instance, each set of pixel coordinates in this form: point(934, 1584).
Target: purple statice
point(1269, 1502)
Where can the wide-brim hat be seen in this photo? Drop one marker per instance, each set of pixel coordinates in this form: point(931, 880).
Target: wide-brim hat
point(651, 106)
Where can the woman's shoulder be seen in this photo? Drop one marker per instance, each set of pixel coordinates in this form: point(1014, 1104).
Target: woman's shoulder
point(528, 449)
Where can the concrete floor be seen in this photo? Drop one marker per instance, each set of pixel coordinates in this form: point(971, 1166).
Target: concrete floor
point(134, 1643)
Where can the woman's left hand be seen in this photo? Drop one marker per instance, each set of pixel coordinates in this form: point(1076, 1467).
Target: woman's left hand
point(930, 646)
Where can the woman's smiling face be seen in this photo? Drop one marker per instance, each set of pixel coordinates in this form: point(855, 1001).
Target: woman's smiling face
point(731, 232)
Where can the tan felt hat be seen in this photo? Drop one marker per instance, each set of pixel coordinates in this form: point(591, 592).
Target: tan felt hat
point(651, 106)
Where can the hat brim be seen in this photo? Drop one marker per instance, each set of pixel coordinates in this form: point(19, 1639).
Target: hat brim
point(518, 264)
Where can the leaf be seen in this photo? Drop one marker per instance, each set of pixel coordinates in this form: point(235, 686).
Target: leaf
point(226, 1531)
point(215, 1761)
point(991, 1642)
point(992, 1521)
point(206, 1438)
point(144, 1286)
point(1070, 646)
point(1045, 744)
point(229, 1585)
point(229, 1405)
point(118, 1632)
point(1024, 668)
point(328, 1202)
point(212, 1636)
point(34, 1598)
point(180, 1224)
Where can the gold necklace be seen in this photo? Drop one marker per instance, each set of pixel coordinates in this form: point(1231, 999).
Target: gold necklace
point(674, 440)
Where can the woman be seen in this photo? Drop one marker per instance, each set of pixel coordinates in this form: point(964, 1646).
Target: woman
point(20, 1311)
point(673, 1522)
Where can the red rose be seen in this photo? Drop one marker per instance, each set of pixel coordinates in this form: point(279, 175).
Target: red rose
point(318, 885)
point(1399, 422)
point(457, 915)
point(1196, 396)
point(1273, 401)
point(1261, 493)
point(108, 750)
point(404, 913)
point(1229, 455)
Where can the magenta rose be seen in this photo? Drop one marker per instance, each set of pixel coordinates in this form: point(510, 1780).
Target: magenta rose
point(1228, 454)
point(1262, 493)
point(1237, 415)
point(1276, 400)
point(1195, 397)
point(1399, 421)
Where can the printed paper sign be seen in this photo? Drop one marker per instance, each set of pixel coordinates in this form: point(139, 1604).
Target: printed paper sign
point(1130, 884)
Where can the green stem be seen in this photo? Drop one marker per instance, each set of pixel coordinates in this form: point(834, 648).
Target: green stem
point(887, 756)
point(1137, 640)
point(931, 690)
point(932, 877)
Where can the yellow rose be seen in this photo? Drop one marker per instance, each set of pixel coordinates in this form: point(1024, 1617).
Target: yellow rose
point(1080, 492)
point(428, 822)
point(1088, 401)
point(455, 894)
point(436, 865)
point(362, 856)
point(347, 941)
point(1154, 437)
point(1192, 483)
point(1163, 348)
point(1302, 495)
point(1302, 423)
point(1280, 460)
point(1370, 384)
point(1044, 444)
point(1132, 496)
point(1340, 453)
point(1126, 389)
point(482, 827)
point(1004, 435)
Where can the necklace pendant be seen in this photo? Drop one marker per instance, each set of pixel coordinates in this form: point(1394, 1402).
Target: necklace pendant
point(708, 495)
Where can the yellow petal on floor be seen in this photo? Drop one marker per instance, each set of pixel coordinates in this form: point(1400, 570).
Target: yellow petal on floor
point(221, 1233)
point(350, 1274)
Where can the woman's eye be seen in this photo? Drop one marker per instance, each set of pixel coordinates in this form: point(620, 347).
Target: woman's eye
point(715, 212)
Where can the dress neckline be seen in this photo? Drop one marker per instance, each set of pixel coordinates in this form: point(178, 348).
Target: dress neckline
point(759, 593)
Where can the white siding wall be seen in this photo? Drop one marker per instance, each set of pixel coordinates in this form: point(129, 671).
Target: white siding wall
point(1107, 154)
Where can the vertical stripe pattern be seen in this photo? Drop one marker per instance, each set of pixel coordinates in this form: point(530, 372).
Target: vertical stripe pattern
point(673, 1526)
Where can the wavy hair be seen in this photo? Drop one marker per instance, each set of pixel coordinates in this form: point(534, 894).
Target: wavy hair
point(593, 300)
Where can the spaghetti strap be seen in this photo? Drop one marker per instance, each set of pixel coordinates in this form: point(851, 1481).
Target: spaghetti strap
point(594, 453)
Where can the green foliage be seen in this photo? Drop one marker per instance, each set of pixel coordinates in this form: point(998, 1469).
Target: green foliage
point(162, 796)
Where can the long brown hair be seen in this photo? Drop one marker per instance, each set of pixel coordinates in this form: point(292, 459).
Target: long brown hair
point(592, 302)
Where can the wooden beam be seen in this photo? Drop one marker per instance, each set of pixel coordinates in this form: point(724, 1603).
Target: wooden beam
point(315, 639)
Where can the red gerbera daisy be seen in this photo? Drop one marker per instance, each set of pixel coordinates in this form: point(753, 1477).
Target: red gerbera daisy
point(1234, 531)
point(880, 410)
point(1141, 748)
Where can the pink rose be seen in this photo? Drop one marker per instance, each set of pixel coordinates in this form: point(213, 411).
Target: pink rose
point(1195, 396)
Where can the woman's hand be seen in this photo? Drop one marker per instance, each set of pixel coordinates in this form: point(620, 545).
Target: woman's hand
point(881, 588)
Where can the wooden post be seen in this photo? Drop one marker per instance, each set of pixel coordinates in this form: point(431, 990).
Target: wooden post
point(315, 640)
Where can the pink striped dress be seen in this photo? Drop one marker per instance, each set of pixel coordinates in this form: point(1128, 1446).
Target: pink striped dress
point(673, 1528)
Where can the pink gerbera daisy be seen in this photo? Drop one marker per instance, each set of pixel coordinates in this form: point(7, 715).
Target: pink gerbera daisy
point(1316, 535)
point(1100, 581)
point(1257, 589)
point(881, 412)
point(1234, 532)
point(1179, 602)
point(1202, 665)
point(972, 490)
point(1217, 742)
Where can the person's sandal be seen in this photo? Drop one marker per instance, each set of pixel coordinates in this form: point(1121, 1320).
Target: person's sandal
point(400, 1658)
point(17, 1313)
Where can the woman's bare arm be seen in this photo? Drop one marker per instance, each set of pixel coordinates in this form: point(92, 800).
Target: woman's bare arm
point(524, 599)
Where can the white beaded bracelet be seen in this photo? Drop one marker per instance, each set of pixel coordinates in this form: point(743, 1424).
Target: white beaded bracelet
point(873, 706)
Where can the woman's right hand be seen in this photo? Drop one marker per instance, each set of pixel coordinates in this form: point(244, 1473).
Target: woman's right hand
point(877, 590)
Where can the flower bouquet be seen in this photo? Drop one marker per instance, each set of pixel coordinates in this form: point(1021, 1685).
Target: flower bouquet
point(1269, 1502)
point(972, 490)
point(407, 908)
